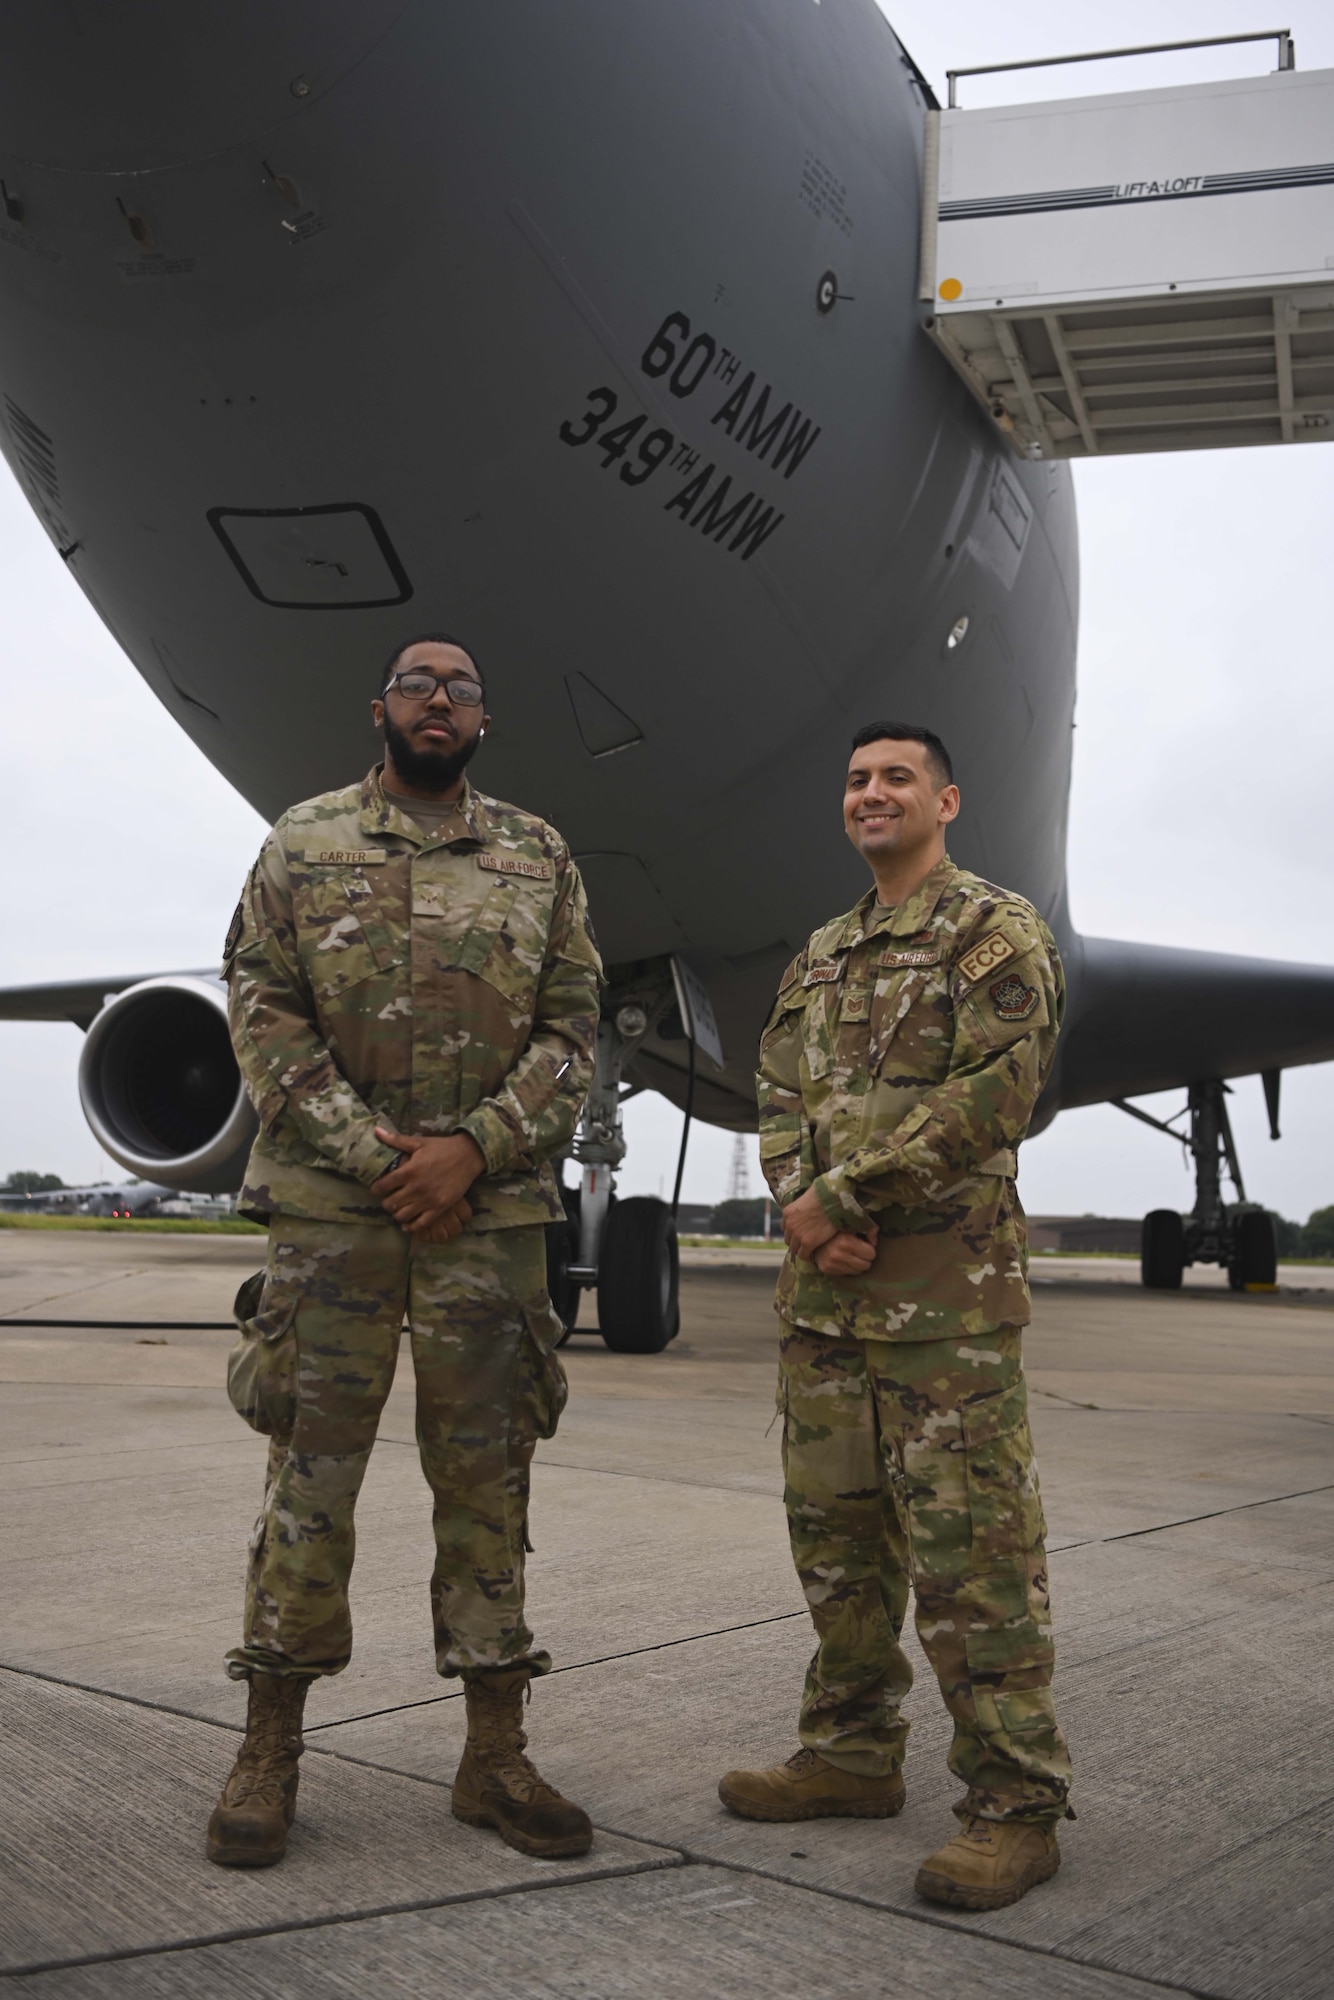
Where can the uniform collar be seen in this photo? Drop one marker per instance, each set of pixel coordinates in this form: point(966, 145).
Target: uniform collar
point(381, 815)
point(908, 918)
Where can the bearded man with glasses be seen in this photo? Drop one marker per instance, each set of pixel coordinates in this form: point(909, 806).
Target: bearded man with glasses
point(414, 991)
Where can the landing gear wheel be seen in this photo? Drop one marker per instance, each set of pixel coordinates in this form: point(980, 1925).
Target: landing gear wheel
point(1254, 1259)
point(562, 1251)
point(638, 1277)
point(1162, 1250)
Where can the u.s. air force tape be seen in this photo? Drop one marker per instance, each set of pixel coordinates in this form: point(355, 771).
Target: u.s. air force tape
point(989, 956)
point(924, 955)
point(515, 864)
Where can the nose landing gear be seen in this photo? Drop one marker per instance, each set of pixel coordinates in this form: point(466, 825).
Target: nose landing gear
point(627, 1250)
point(1238, 1235)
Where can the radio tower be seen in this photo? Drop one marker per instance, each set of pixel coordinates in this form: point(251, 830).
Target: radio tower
point(738, 1181)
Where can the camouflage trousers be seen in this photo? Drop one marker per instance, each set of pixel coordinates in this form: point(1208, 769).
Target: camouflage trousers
point(910, 1462)
point(488, 1386)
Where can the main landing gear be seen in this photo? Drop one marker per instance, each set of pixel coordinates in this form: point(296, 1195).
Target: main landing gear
point(625, 1249)
point(1238, 1235)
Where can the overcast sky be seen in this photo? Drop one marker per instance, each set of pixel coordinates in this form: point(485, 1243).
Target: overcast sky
point(1200, 811)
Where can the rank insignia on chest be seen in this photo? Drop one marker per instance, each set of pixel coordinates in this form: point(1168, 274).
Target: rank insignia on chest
point(1013, 1000)
point(989, 956)
point(824, 972)
point(515, 864)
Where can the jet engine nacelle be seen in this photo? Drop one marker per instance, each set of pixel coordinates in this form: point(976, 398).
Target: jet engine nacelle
point(160, 1086)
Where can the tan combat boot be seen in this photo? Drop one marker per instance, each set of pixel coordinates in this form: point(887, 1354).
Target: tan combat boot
point(258, 1804)
point(497, 1786)
point(809, 1787)
point(989, 1863)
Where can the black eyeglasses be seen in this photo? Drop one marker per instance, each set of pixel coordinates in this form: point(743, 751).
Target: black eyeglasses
point(414, 685)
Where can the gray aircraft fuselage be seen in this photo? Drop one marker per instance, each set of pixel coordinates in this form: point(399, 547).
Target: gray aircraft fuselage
point(586, 332)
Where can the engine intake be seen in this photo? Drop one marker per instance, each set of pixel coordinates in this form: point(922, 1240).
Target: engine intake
point(160, 1086)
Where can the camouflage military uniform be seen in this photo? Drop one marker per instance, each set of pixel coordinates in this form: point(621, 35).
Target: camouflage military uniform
point(433, 980)
point(898, 1072)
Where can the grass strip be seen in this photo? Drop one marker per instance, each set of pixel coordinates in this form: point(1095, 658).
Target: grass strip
point(149, 1225)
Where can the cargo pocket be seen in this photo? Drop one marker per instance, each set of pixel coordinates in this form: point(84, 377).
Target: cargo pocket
point(261, 1368)
point(1003, 1500)
point(543, 1389)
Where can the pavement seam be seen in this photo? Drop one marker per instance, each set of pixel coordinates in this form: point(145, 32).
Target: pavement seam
point(130, 1325)
point(1216, 1514)
point(575, 1667)
point(114, 1694)
point(1226, 1854)
point(397, 1708)
point(53, 1456)
point(956, 1929)
point(77, 1291)
point(614, 1472)
point(668, 1857)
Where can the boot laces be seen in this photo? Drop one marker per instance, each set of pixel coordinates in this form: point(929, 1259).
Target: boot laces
point(804, 1760)
point(500, 1742)
point(522, 1779)
point(256, 1778)
point(273, 1742)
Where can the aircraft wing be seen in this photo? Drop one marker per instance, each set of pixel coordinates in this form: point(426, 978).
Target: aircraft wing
point(77, 1000)
point(1146, 1017)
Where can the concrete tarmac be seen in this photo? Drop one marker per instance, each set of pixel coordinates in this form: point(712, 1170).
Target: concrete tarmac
point(1187, 1453)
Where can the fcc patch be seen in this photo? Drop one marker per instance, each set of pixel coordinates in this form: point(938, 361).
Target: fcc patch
point(989, 956)
point(1013, 1000)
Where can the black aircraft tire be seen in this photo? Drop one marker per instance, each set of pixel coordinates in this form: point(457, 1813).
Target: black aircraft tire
point(1162, 1250)
point(638, 1277)
point(1254, 1259)
point(562, 1251)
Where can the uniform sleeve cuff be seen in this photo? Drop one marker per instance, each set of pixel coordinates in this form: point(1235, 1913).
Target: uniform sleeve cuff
point(489, 1131)
point(369, 1159)
point(837, 1198)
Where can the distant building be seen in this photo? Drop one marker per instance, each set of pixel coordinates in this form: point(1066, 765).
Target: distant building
point(694, 1218)
point(1112, 1234)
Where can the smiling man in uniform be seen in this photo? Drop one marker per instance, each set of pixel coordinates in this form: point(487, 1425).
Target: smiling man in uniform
point(414, 994)
point(898, 1073)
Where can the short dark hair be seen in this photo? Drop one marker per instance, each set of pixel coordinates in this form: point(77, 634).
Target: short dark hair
point(937, 756)
point(425, 639)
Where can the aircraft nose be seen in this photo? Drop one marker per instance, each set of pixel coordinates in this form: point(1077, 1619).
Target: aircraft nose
point(94, 88)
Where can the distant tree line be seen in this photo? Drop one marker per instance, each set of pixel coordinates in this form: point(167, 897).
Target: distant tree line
point(1312, 1238)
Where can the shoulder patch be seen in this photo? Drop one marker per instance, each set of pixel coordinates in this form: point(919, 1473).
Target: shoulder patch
point(342, 857)
point(1012, 1000)
point(989, 956)
point(234, 930)
point(514, 864)
point(824, 972)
